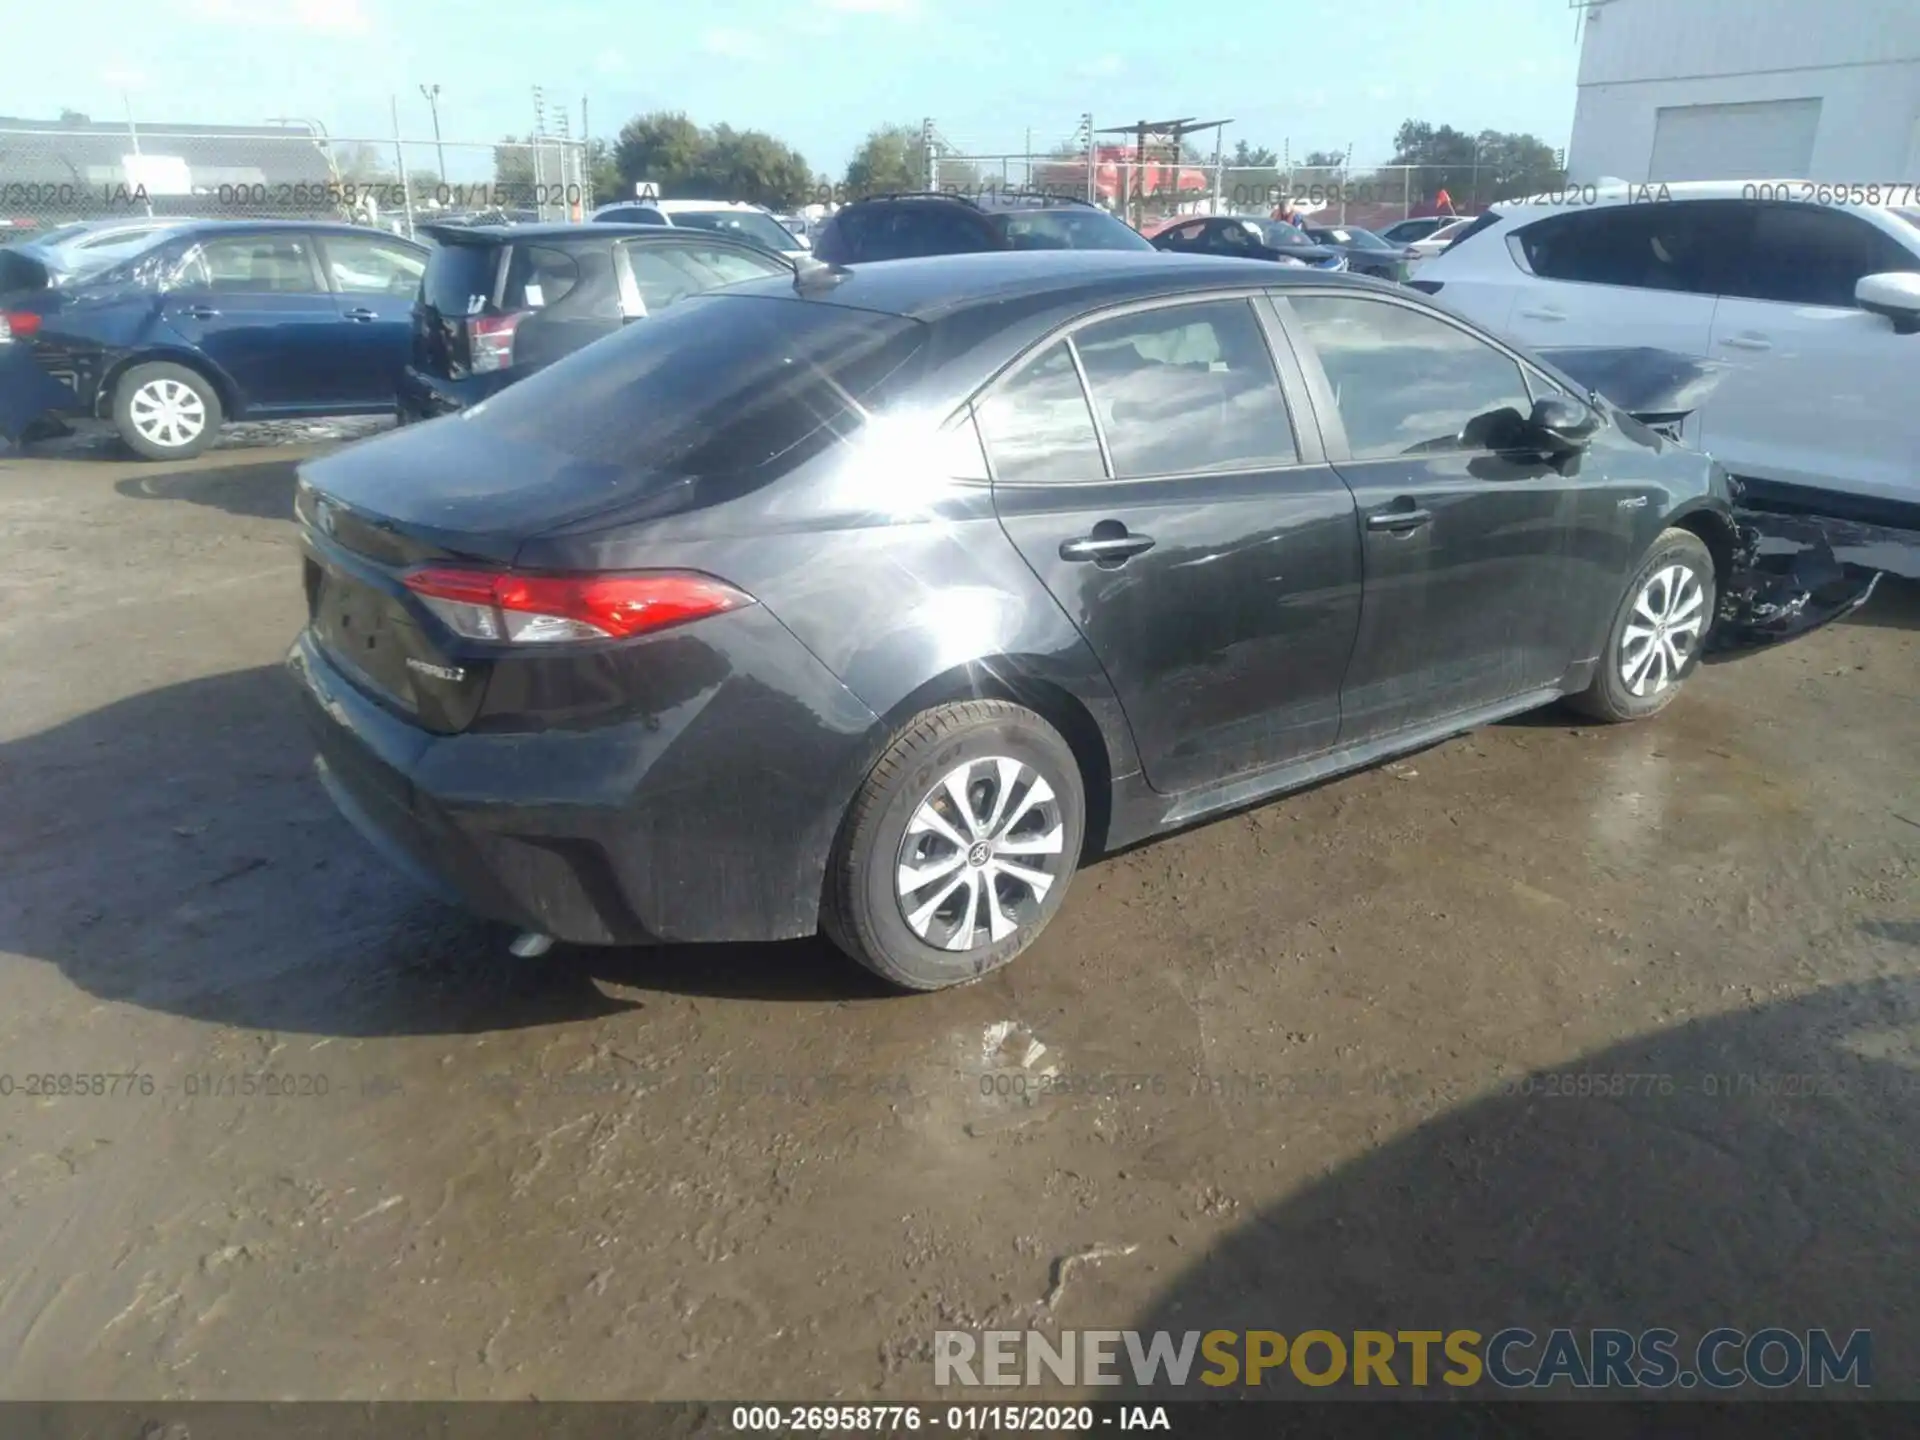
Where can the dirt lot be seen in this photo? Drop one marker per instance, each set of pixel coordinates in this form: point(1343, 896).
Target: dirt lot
point(1301, 1068)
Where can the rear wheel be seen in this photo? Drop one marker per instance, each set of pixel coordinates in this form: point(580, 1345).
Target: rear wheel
point(165, 411)
point(959, 846)
point(1657, 633)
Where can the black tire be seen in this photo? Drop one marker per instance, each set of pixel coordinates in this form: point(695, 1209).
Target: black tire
point(1611, 697)
point(863, 912)
point(167, 379)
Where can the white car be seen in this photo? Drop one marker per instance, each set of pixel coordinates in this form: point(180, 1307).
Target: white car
point(1430, 245)
point(1419, 227)
point(730, 217)
point(1798, 308)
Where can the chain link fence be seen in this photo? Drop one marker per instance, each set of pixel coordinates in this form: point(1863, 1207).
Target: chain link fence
point(55, 174)
point(1147, 192)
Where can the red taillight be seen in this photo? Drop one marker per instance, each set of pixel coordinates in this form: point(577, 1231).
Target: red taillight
point(18, 325)
point(490, 341)
point(536, 609)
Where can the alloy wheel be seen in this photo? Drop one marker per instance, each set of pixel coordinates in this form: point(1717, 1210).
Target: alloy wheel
point(1663, 631)
point(168, 413)
point(982, 849)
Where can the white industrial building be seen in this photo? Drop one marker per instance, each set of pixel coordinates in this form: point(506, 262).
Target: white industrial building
point(1742, 89)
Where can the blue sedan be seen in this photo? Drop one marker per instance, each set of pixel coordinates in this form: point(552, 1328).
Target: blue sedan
point(216, 321)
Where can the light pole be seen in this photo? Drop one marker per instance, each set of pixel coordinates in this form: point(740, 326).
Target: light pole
point(432, 92)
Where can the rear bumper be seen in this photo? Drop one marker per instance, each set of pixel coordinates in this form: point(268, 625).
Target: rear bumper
point(419, 396)
point(28, 394)
point(711, 821)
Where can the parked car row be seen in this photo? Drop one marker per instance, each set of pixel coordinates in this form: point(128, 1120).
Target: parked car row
point(216, 321)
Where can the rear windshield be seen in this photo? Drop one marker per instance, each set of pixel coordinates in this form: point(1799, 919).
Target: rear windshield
point(1359, 239)
point(1279, 235)
point(716, 385)
point(1067, 228)
point(751, 225)
point(459, 279)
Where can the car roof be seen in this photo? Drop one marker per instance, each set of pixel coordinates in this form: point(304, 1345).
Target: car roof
point(581, 230)
point(325, 227)
point(943, 285)
point(680, 207)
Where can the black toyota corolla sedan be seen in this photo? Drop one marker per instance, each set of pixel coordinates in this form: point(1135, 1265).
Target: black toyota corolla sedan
point(871, 600)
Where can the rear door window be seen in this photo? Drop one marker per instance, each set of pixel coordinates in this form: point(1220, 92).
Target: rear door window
point(363, 265)
point(460, 279)
point(250, 264)
point(1667, 246)
point(538, 276)
point(656, 275)
point(1037, 425)
point(1186, 389)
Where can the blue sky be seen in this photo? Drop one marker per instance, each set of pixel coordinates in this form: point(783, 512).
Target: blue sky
point(817, 73)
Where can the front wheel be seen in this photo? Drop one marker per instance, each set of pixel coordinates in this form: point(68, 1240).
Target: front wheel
point(1657, 634)
point(165, 411)
point(959, 846)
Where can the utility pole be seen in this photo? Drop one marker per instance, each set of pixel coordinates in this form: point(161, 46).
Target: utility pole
point(539, 168)
point(1086, 138)
point(432, 92)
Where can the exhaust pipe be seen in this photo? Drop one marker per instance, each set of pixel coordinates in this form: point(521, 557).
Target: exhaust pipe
point(531, 944)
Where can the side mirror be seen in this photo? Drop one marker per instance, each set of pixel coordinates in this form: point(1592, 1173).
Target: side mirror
point(1896, 295)
point(1566, 425)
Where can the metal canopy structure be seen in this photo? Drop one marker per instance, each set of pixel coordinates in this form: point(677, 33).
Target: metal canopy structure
point(1163, 134)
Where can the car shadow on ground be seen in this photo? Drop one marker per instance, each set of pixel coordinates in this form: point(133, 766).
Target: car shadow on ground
point(1751, 1169)
point(261, 490)
point(1895, 606)
point(173, 850)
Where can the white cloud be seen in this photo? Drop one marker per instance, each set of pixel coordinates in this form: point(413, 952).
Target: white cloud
point(1379, 92)
point(733, 44)
point(318, 17)
point(1100, 65)
point(610, 62)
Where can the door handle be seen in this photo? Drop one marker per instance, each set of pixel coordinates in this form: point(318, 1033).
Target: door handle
point(362, 314)
point(1543, 314)
point(1106, 549)
point(1399, 521)
point(1747, 342)
point(201, 312)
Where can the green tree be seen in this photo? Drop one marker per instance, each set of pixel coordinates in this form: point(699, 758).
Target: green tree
point(663, 147)
point(1476, 169)
point(751, 165)
point(1325, 160)
point(892, 157)
point(1252, 157)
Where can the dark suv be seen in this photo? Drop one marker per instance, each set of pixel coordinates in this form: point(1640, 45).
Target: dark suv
point(498, 302)
point(900, 227)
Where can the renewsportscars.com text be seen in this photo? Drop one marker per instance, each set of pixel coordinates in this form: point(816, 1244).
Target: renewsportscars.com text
point(1772, 1358)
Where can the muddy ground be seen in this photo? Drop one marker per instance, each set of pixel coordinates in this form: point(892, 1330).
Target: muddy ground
point(1299, 1068)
